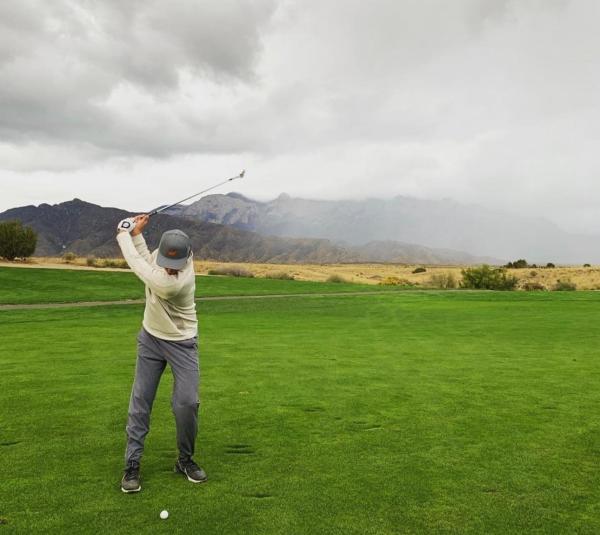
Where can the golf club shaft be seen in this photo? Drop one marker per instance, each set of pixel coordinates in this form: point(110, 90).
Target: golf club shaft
point(161, 209)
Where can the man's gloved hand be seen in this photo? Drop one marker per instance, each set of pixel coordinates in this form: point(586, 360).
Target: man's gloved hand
point(134, 225)
point(126, 225)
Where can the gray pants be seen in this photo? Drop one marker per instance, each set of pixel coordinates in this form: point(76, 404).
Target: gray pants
point(153, 356)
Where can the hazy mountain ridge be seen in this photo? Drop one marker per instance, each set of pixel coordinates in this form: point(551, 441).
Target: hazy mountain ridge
point(89, 229)
point(436, 224)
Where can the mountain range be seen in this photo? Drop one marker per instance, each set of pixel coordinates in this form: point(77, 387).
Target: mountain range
point(225, 232)
point(431, 223)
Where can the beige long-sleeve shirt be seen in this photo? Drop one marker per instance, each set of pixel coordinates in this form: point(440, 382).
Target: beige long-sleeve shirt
point(170, 312)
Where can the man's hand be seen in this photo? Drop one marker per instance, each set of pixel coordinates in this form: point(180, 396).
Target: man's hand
point(140, 223)
point(126, 225)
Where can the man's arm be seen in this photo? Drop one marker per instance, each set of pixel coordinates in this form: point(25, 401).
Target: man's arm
point(157, 279)
point(140, 246)
point(138, 238)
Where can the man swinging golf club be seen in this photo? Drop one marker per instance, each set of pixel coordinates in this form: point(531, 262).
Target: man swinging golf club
point(169, 335)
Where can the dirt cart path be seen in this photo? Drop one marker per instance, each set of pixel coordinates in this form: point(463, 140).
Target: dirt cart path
point(82, 304)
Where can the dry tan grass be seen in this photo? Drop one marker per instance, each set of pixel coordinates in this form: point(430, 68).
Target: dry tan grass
point(584, 278)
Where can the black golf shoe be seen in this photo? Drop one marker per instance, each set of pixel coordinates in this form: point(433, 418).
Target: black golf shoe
point(191, 470)
point(131, 478)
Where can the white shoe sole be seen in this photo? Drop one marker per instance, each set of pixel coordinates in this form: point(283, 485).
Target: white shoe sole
point(195, 480)
point(178, 471)
point(131, 491)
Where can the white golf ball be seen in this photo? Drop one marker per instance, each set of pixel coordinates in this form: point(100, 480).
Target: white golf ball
point(164, 515)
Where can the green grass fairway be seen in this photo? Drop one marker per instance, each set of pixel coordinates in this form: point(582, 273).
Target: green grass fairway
point(406, 413)
point(39, 285)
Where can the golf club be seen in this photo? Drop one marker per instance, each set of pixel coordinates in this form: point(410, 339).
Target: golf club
point(128, 224)
point(162, 208)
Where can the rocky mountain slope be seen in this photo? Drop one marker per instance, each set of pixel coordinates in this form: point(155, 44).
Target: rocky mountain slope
point(435, 224)
point(89, 229)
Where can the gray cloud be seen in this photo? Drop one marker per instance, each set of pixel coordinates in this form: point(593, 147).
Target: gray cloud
point(62, 64)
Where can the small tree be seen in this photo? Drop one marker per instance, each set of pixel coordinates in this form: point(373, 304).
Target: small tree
point(517, 264)
point(487, 278)
point(16, 241)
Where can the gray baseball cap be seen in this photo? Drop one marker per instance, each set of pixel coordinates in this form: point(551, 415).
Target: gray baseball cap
point(174, 249)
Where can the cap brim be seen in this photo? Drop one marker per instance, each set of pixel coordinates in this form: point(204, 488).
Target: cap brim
point(171, 263)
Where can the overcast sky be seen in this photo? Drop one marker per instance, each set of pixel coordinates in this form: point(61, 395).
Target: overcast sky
point(133, 103)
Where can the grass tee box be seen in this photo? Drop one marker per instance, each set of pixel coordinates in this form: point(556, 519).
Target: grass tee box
point(32, 285)
point(456, 412)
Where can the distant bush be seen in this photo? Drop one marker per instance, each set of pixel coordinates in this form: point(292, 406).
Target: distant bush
point(279, 275)
point(336, 278)
point(231, 271)
point(532, 286)
point(395, 281)
point(443, 281)
point(16, 241)
point(69, 257)
point(564, 286)
point(117, 263)
point(487, 278)
point(517, 264)
point(550, 265)
point(419, 270)
point(587, 265)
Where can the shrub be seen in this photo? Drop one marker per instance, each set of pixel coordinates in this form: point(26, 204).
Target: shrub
point(532, 286)
point(91, 261)
point(16, 241)
point(564, 286)
point(335, 278)
point(587, 265)
point(518, 264)
point(395, 281)
point(533, 273)
point(69, 257)
point(231, 271)
point(443, 281)
point(487, 278)
point(279, 275)
point(550, 265)
point(419, 270)
point(117, 263)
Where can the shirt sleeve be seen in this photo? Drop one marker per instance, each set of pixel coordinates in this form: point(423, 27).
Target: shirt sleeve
point(140, 246)
point(157, 279)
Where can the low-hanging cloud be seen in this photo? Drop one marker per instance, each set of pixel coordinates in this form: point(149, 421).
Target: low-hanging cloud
point(111, 75)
